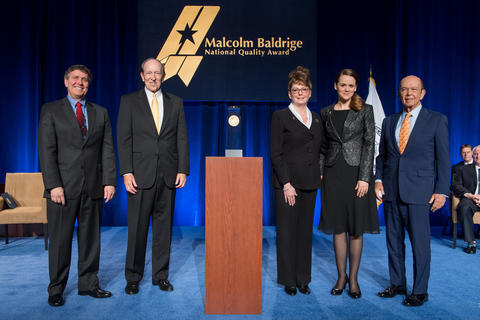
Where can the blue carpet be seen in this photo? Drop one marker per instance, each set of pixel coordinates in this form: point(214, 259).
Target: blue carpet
point(454, 283)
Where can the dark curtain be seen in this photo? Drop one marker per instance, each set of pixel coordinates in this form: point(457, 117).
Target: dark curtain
point(436, 40)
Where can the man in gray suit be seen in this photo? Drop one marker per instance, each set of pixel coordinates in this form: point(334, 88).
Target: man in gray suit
point(154, 162)
point(77, 159)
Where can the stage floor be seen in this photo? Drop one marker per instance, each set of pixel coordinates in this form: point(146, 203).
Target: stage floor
point(453, 291)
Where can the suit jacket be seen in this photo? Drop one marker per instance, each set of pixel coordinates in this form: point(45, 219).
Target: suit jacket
point(141, 150)
point(295, 150)
point(357, 143)
point(465, 181)
point(455, 168)
point(424, 166)
point(69, 161)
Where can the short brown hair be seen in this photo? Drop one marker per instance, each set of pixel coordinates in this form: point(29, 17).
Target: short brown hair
point(299, 75)
point(80, 67)
point(463, 146)
point(357, 102)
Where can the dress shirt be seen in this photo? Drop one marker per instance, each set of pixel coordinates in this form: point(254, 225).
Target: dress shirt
point(299, 117)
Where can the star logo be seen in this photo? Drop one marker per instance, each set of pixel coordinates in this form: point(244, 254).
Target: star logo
point(179, 51)
point(187, 34)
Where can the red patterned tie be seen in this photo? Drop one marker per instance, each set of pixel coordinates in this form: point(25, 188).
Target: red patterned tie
point(81, 119)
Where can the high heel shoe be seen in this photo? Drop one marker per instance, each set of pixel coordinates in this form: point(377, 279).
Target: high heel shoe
point(337, 292)
point(356, 294)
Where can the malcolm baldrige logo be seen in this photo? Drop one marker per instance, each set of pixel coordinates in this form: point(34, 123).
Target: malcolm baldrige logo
point(180, 56)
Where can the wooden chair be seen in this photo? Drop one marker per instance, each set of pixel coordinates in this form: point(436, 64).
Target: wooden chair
point(453, 210)
point(27, 191)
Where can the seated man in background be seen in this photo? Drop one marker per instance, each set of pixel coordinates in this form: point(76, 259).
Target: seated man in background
point(466, 187)
point(466, 154)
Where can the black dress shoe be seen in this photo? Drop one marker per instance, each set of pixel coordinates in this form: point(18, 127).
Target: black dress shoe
point(131, 288)
point(337, 292)
point(304, 289)
point(415, 300)
point(354, 294)
point(471, 250)
point(165, 285)
point(56, 300)
point(95, 293)
point(291, 290)
point(391, 291)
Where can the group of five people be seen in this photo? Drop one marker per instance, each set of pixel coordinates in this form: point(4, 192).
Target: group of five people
point(333, 150)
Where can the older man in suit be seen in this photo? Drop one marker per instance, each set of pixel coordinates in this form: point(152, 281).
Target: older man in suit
point(154, 161)
point(466, 186)
point(77, 160)
point(412, 178)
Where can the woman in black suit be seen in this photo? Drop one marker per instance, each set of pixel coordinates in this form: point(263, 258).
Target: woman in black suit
point(348, 199)
point(295, 139)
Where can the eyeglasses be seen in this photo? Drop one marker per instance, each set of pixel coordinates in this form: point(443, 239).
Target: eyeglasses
point(299, 90)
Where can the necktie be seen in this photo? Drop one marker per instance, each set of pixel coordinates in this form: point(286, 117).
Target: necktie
point(81, 119)
point(154, 108)
point(404, 132)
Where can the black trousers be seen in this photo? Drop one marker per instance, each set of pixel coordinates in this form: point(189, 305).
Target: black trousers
point(294, 237)
point(61, 224)
point(157, 202)
point(466, 208)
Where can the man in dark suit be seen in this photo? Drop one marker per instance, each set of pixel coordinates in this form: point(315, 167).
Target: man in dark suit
point(153, 152)
point(466, 187)
point(412, 171)
point(77, 159)
point(466, 154)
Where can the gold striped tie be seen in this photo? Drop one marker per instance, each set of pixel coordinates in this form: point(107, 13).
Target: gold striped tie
point(404, 132)
point(154, 108)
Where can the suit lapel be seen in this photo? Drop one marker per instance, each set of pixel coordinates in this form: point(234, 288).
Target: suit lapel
point(92, 116)
point(72, 119)
point(147, 112)
point(395, 119)
point(329, 122)
point(351, 115)
point(474, 175)
point(167, 111)
point(298, 123)
point(422, 121)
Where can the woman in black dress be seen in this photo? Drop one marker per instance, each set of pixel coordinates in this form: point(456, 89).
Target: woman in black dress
point(295, 138)
point(348, 199)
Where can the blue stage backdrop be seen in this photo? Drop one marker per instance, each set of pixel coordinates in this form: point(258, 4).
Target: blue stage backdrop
point(436, 40)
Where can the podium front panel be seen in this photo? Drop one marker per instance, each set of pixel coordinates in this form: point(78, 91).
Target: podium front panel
point(233, 235)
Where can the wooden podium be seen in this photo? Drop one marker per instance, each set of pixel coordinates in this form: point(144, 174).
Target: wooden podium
point(233, 235)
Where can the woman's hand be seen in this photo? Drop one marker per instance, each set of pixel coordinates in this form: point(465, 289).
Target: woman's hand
point(362, 188)
point(289, 193)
